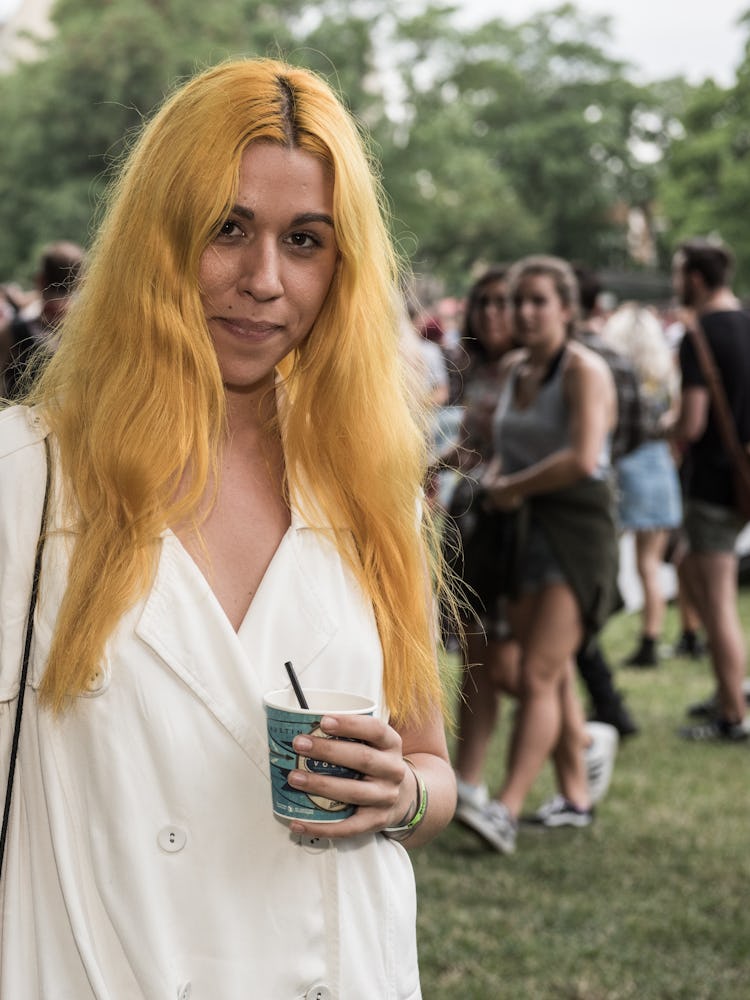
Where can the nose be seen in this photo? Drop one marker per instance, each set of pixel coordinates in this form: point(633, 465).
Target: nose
point(524, 309)
point(260, 275)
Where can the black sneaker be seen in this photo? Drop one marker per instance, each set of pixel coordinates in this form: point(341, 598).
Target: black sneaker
point(559, 811)
point(717, 731)
point(688, 647)
point(645, 656)
point(615, 712)
point(709, 707)
point(705, 709)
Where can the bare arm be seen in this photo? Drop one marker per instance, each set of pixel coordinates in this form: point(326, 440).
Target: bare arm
point(691, 418)
point(591, 399)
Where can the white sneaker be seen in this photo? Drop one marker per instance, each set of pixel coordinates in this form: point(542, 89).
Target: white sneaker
point(599, 757)
point(471, 800)
point(548, 808)
point(496, 826)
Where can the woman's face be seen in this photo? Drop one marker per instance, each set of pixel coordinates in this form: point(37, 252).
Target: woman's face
point(265, 275)
point(540, 318)
point(490, 319)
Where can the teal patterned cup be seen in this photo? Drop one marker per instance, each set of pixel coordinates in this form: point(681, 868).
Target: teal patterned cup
point(285, 720)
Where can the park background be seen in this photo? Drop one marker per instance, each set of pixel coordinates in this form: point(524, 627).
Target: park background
point(496, 137)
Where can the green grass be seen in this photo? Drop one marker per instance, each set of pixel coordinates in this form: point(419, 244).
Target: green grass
point(651, 902)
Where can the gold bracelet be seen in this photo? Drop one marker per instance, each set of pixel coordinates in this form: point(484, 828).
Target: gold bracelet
point(406, 829)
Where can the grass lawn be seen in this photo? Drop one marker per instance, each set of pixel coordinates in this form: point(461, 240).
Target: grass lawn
point(652, 901)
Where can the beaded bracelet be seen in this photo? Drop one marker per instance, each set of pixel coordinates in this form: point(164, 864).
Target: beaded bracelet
point(406, 829)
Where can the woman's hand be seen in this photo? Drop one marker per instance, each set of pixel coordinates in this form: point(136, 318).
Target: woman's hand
point(501, 492)
point(387, 793)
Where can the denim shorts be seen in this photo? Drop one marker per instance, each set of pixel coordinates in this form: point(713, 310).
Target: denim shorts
point(711, 527)
point(648, 489)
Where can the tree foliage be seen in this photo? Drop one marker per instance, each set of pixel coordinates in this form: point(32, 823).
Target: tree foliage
point(495, 139)
point(705, 188)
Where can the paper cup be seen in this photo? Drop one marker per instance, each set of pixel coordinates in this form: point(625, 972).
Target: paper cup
point(285, 720)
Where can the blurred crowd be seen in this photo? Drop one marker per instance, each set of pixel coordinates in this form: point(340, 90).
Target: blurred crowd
point(561, 422)
point(564, 422)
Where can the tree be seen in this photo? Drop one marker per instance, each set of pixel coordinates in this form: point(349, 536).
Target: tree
point(706, 188)
point(67, 117)
point(494, 140)
point(515, 138)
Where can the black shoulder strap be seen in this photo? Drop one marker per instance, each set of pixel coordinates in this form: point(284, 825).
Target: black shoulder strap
point(26, 656)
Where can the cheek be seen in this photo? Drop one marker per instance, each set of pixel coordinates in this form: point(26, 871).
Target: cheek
point(316, 290)
point(212, 275)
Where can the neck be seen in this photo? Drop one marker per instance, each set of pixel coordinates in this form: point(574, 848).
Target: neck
point(540, 355)
point(250, 412)
point(720, 300)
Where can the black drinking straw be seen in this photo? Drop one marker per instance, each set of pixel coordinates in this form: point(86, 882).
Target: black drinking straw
point(295, 684)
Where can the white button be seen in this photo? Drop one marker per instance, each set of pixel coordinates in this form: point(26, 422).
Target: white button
point(99, 680)
point(315, 845)
point(319, 992)
point(184, 991)
point(172, 839)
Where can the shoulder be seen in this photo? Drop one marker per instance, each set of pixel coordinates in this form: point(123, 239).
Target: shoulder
point(22, 432)
point(21, 427)
point(583, 362)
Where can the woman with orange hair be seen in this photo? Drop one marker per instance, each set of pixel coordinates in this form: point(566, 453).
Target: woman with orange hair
point(235, 466)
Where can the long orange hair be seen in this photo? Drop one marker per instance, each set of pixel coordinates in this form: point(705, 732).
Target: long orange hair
point(134, 396)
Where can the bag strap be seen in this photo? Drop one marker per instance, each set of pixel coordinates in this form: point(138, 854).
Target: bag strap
point(26, 657)
point(727, 427)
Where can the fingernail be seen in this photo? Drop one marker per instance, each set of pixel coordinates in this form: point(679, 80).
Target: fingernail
point(329, 724)
point(302, 743)
point(297, 778)
point(296, 828)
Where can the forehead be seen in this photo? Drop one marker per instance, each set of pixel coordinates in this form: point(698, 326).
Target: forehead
point(284, 174)
point(536, 283)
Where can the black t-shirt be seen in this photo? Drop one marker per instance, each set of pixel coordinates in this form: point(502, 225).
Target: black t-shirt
point(728, 336)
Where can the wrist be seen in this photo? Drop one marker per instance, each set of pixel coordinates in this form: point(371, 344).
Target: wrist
point(416, 812)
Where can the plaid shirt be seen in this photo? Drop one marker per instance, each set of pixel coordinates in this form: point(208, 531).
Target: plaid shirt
point(629, 432)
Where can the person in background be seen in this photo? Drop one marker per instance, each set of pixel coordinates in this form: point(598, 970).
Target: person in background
point(607, 704)
point(33, 336)
point(486, 666)
point(237, 477)
point(649, 501)
point(431, 346)
point(424, 355)
point(551, 429)
point(690, 642)
point(701, 274)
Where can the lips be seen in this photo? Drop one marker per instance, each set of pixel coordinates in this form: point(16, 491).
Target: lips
point(248, 329)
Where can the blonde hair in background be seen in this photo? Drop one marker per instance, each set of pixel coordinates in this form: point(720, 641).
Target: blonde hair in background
point(634, 331)
point(135, 399)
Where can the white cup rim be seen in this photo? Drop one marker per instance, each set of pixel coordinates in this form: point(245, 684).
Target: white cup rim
point(322, 701)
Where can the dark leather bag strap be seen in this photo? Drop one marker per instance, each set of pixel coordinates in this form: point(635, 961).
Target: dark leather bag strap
point(727, 426)
point(25, 661)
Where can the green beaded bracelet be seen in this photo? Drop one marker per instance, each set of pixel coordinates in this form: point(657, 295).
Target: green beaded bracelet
point(401, 832)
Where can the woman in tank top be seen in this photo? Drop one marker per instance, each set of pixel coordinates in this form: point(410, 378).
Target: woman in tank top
point(555, 414)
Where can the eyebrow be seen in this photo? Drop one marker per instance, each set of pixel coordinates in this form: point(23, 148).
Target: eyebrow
point(305, 218)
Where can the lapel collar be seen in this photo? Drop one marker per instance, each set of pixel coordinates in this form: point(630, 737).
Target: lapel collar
point(184, 624)
point(288, 619)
